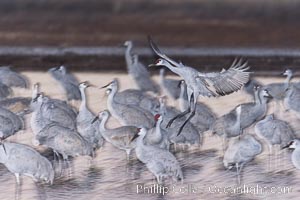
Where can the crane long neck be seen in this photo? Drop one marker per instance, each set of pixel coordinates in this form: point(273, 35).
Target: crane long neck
point(256, 98)
point(35, 91)
point(83, 97)
point(112, 94)
point(128, 56)
point(287, 81)
point(238, 120)
point(157, 128)
point(102, 125)
point(173, 69)
point(140, 141)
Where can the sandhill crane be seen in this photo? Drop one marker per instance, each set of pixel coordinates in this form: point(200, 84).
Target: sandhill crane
point(138, 71)
point(68, 82)
point(159, 161)
point(127, 114)
point(253, 112)
point(274, 132)
point(70, 110)
point(170, 86)
point(204, 117)
point(119, 137)
point(24, 160)
point(12, 78)
point(205, 84)
point(16, 104)
point(278, 90)
point(84, 120)
point(157, 136)
point(64, 141)
point(189, 135)
point(292, 99)
point(10, 123)
point(241, 151)
point(295, 144)
point(250, 85)
point(45, 113)
point(137, 98)
point(228, 125)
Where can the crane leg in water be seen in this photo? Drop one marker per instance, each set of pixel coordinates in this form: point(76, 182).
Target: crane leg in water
point(188, 110)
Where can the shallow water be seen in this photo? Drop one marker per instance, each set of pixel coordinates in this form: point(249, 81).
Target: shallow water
point(110, 176)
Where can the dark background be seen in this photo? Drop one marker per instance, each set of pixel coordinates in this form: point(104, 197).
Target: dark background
point(172, 23)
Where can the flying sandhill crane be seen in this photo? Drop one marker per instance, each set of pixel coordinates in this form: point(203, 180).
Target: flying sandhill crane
point(205, 84)
point(204, 116)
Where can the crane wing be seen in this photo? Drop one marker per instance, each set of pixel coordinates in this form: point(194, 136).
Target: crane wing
point(160, 54)
point(226, 81)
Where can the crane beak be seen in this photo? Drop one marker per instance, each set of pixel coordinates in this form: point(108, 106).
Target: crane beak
point(152, 65)
point(95, 119)
point(35, 99)
point(288, 145)
point(3, 146)
point(91, 85)
point(105, 86)
point(134, 137)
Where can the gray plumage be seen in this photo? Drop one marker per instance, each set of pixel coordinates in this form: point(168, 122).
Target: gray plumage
point(64, 141)
point(70, 110)
point(250, 85)
point(119, 137)
point(171, 86)
point(160, 162)
point(12, 78)
point(10, 123)
point(157, 136)
point(68, 82)
point(204, 84)
point(204, 116)
point(138, 71)
point(241, 151)
point(16, 104)
point(127, 114)
point(292, 99)
point(88, 130)
point(278, 90)
point(24, 160)
point(228, 125)
point(137, 98)
point(252, 112)
point(274, 131)
point(46, 112)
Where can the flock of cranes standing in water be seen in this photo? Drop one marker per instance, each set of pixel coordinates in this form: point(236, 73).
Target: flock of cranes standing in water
point(147, 124)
